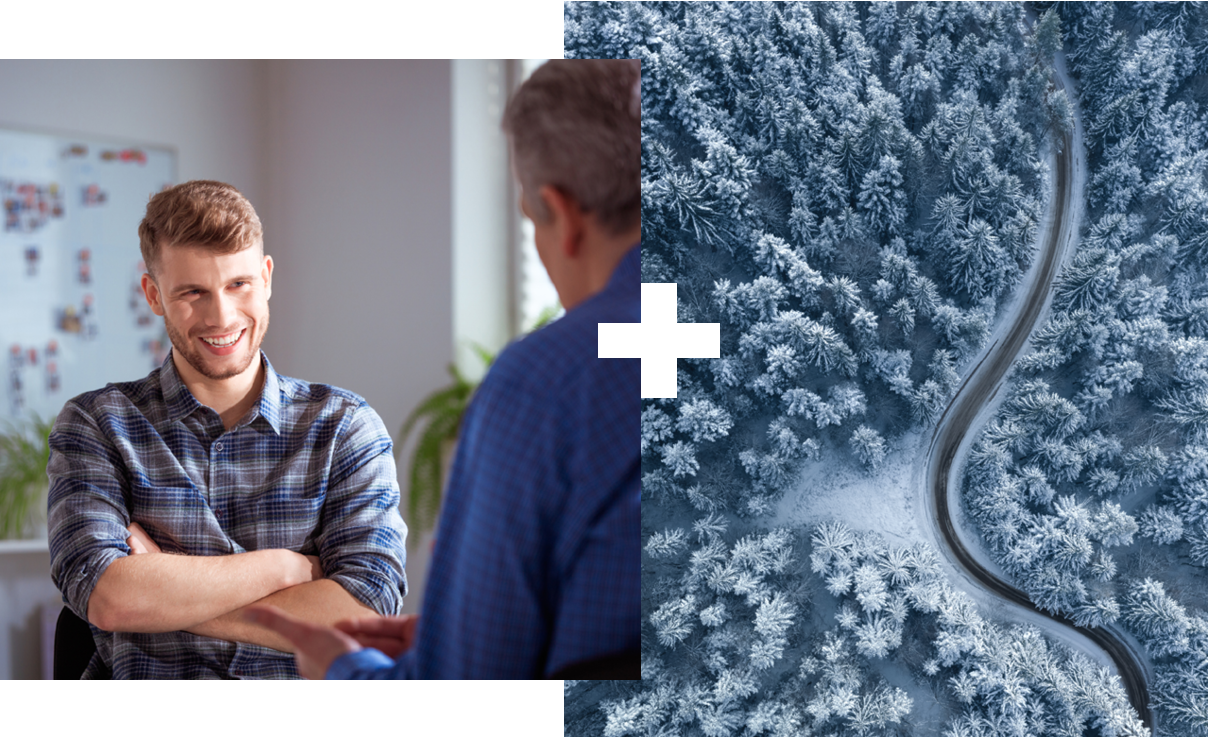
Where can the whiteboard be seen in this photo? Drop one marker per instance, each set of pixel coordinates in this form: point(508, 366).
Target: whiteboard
point(72, 315)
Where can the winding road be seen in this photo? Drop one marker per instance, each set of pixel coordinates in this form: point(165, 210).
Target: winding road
point(979, 388)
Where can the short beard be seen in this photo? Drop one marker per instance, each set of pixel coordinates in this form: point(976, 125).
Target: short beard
point(193, 357)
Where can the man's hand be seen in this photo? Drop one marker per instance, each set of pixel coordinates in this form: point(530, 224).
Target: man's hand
point(139, 541)
point(392, 635)
point(315, 647)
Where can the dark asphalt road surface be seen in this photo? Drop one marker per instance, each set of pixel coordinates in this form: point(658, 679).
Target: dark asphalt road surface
point(979, 388)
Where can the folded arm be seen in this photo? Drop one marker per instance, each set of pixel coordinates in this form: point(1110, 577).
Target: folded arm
point(150, 591)
point(318, 602)
point(158, 592)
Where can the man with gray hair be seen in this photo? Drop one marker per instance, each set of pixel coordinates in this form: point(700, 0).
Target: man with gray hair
point(536, 568)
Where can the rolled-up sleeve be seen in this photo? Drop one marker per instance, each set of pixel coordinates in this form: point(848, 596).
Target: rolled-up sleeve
point(362, 544)
point(87, 515)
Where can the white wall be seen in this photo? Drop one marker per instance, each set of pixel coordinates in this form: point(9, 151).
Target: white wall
point(349, 167)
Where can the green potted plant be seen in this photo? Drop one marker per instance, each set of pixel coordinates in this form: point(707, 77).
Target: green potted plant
point(439, 415)
point(24, 452)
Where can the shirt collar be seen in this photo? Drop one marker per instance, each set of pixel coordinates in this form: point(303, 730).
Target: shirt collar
point(629, 270)
point(181, 403)
point(270, 398)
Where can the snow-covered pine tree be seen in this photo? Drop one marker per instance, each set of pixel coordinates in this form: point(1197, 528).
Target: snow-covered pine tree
point(869, 446)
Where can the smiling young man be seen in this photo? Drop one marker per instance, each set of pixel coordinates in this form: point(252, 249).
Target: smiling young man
point(177, 500)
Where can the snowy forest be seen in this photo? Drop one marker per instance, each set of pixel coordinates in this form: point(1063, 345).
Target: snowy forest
point(849, 194)
point(854, 191)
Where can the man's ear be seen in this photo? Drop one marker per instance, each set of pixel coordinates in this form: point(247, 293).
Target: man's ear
point(266, 272)
point(568, 219)
point(153, 295)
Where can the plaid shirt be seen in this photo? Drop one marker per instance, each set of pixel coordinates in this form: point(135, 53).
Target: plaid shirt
point(308, 469)
point(537, 560)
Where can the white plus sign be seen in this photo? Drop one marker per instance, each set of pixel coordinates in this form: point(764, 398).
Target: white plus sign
point(659, 340)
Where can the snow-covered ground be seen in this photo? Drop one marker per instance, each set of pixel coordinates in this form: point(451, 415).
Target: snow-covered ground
point(884, 501)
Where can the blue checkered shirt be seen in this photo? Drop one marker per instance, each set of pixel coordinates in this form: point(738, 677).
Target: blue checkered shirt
point(537, 561)
point(308, 469)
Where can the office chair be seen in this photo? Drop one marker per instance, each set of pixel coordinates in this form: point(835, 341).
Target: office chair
point(623, 666)
point(74, 646)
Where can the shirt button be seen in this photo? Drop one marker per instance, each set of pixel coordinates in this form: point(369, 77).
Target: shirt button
point(217, 446)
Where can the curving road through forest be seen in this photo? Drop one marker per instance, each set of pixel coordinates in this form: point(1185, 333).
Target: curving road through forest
point(979, 388)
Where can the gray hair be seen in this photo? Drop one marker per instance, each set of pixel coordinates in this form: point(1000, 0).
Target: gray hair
point(575, 125)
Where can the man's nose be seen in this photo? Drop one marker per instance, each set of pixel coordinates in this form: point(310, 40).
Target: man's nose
point(222, 311)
